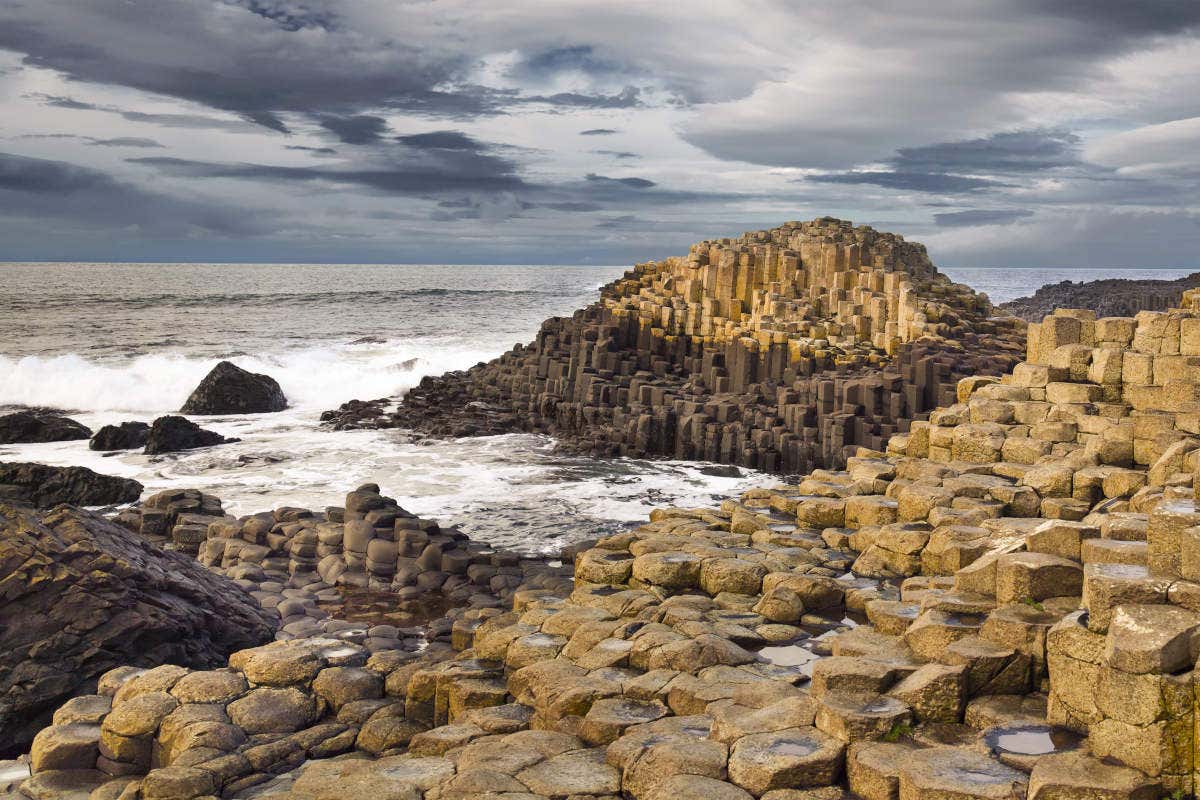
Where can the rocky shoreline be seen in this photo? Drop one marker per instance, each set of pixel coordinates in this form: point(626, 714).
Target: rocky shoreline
point(1003, 602)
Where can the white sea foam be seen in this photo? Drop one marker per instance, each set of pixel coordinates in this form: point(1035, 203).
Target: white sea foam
point(313, 378)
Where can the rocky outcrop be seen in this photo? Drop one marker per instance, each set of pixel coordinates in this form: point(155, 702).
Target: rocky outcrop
point(172, 433)
point(44, 486)
point(80, 595)
point(229, 389)
point(126, 436)
point(781, 350)
point(1111, 297)
point(40, 425)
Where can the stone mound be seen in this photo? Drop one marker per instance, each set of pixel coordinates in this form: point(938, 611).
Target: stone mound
point(172, 433)
point(1111, 297)
point(126, 436)
point(80, 595)
point(40, 425)
point(44, 486)
point(229, 389)
point(780, 350)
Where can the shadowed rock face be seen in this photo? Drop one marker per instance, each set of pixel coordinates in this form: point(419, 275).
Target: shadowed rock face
point(173, 433)
point(43, 486)
point(781, 350)
point(80, 595)
point(1113, 297)
point(229, 389)
point(126, 436)
point(40, 425)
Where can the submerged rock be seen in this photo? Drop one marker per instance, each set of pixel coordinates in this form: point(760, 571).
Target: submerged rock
point(82, 595)
point(45, 486)
point(40, 425)
point(173, 433)
point(126, 436)
point(229, 389)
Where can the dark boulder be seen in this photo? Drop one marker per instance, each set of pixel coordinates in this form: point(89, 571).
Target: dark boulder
point(172, 433)
point(229, 389)
point(126, 436)
point(80, 595)
point(44, 486)
point(40, 425)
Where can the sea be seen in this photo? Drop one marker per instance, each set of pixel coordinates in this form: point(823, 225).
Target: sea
point(116, 342)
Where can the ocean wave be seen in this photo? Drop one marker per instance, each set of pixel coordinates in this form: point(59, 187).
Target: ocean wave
point(261, 300)
point(316, 378)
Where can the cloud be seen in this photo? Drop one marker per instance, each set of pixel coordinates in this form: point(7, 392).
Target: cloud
point(1013, 151)
point(632, 183)
point(935, 182)
point(1167, 148)
point(38, 189)
point(125, 141)
point(959, 219)
point(441, 140)
point(620, 154)
point(418, 179)
point(359, 129)
point(598, 132)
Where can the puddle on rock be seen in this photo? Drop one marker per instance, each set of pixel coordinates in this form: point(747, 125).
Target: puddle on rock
point(1030, 740)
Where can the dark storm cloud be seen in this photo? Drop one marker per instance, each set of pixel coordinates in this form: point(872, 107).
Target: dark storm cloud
point(475, 172)
point(934, 182)
point(358, 129)
point(961, 219)
point(442, 140)
point(322, 151)
point(1124, 18)
point(1017, 151)
point(133, 43)
point(598, 132)
point(37, 189)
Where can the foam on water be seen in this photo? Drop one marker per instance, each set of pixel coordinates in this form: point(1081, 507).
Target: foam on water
point(314, 378)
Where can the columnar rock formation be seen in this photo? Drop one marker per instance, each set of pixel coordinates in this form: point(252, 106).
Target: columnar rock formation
point(1110, 297)
point(1003, 603)
point(780, 350)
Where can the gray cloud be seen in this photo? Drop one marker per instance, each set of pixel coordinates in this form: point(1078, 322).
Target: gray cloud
point(934, 182)
point(37, 189)
point(632, 183)
point(359, 129)
point(598, 132)
point(1015, 151)
point(979, 216)
point(126, 141)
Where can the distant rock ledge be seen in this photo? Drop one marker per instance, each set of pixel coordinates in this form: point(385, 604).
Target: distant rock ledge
point(1111, 297)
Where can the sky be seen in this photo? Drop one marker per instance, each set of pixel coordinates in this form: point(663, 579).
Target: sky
point(1000, 133)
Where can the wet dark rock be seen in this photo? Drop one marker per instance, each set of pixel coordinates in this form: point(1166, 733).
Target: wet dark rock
point(1111, 297)
point(126, 436)
point(82, 595)
point(45, 486)
point(229, 389)
point(40, 425)
point(173, 433)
